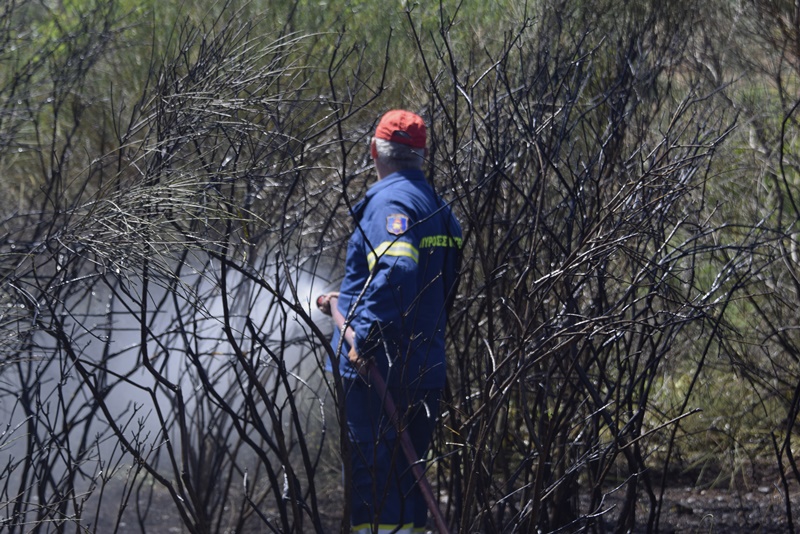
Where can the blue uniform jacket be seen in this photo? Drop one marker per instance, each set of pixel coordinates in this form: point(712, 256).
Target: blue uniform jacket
point(400, 276)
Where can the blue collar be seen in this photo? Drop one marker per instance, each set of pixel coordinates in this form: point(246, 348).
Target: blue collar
point(386, 181)
point(404, 174)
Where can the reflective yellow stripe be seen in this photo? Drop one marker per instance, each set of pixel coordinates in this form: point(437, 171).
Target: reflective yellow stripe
point(393, 248)
point(366, 528)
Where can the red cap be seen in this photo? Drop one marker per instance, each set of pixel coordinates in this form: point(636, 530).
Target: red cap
point(400, 126)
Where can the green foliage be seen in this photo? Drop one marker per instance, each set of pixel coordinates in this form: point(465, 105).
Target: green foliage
point(727, 437)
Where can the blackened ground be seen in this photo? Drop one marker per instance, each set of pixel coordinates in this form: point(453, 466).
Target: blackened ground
point(755, 504)
point(760, 509)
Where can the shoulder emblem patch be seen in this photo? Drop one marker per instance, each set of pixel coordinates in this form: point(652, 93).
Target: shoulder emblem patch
point(396, 224)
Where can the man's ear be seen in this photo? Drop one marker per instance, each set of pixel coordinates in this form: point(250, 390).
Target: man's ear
point(373, 150)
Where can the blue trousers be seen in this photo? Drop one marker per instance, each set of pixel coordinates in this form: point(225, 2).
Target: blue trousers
point(384, 496)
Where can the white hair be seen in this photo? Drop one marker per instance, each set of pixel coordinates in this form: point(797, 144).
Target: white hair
point(398, 155)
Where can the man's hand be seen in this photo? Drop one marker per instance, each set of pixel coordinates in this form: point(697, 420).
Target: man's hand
point(326, 306)
point(324, 302)
point(359, 364)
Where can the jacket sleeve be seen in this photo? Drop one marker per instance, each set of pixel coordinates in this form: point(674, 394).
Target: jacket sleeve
point(391, 250)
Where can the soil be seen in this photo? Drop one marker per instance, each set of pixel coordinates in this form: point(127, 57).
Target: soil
point(760, 509)
point(754, 507)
